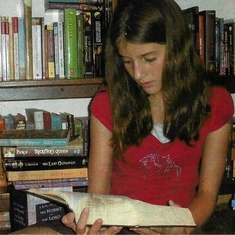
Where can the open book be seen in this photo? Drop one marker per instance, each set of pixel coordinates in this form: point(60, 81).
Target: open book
point(119, 210)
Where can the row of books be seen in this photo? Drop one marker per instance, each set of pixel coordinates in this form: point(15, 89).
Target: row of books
point(214, 39)
point(71, 48)
point(38, 119)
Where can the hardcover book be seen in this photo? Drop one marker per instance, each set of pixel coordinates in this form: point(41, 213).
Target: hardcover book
point(34, 137)
point(131, 213)
point(26, 209)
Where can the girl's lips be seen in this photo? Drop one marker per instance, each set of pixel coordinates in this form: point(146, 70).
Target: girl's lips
point(146, 84)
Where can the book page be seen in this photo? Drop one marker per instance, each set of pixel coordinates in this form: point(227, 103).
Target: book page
point(120, 210)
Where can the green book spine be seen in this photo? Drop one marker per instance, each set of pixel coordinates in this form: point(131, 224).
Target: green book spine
point(80, 34)
point(70, 32)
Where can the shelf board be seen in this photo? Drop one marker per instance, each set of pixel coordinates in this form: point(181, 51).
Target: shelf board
point(49, 89)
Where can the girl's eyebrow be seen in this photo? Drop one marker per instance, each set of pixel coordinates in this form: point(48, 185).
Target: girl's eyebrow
point(145, 54)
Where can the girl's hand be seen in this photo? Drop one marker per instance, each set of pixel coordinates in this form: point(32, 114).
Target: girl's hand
point(81, 228)
point(164, 230)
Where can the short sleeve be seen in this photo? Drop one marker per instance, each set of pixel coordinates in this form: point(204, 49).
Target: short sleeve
point(222, 107)
point(101, 109)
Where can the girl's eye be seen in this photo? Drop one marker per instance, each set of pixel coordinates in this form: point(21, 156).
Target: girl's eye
point(126, 61)
point(150, 60)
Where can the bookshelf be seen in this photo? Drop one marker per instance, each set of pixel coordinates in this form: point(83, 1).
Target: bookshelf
point(49, 89)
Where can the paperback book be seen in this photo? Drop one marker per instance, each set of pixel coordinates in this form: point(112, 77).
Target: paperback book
point(131, 213)
point(34, 137)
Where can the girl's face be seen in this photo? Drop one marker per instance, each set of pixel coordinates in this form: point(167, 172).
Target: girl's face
point(145, 64)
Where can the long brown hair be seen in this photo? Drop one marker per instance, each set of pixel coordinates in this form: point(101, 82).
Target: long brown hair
point(184, 85)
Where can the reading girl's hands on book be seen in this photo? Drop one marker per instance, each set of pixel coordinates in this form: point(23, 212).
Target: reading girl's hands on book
point(80, 227)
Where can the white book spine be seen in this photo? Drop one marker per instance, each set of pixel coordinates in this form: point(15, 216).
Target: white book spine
point(37, 51)
point(16, 47)
point(38, 120)
point(7, 45)
point(61, 49)
point(3, 46)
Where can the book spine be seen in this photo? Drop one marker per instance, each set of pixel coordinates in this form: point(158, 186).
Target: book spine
point(222, 63)
point(56, 121)
point(217, 45)
point(77, 1)
point(2, 123)
point(80, 46)
point(50, 184)
point(44, 163)
point(47, 174)
point(10, 152)
point(11, 51)
point(226, 50)
point(22, 54)
point(70, 32)
point(88, 44)
point(3, 178)
point(50, 51)
point(3, 48)
point(9, 122)
point(1, 77)
point(8, 74)
point(47, 120)
point(56, 49)
point(201, 38)
point(231, 46)
point(37, 48)
point(28, 39)
point(77, 6)
point(61, 49)
point(20, 122)
point(38, 120)
point(97, 39)
point(16, 47)
point(209, 40)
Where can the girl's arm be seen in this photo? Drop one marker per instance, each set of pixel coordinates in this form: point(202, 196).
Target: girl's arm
point(100, 158)
point(211, 173)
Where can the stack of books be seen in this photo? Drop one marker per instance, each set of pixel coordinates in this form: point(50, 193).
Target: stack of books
point(5, 225)
point(46, 159)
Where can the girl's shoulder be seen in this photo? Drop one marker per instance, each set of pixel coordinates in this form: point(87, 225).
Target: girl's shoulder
point(222, 107)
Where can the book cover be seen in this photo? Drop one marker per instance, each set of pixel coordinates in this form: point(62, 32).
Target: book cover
point(47, 174)
point(26, 209)
point(88, 44)
point(44, 163)
point(80, 44)
point(15, 26)
point(2, 123)
point(20, 121)
point(74, 148)
point(130, 212)
point(28, 39)
point(37, 47)
point(34, 137)
point(70, 42)
point(38, 120)
point(56, 121)
point(9, 122)
point(209, 17)
point(22, 54)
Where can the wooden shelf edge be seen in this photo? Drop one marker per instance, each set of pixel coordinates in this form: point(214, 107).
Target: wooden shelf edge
point(52, 82)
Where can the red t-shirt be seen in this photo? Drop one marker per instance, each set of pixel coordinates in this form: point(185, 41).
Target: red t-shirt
point(156, 172)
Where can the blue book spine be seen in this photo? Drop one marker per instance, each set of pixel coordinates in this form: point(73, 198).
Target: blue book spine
point(22, 55)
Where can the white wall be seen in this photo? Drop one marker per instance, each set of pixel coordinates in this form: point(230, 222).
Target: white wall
point(78, 107)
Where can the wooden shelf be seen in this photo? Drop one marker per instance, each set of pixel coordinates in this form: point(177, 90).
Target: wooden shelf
point(49, 89)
